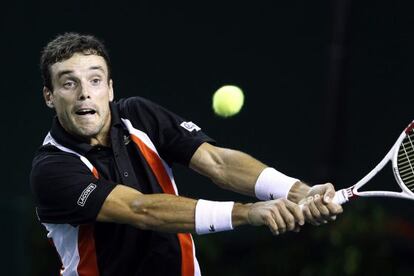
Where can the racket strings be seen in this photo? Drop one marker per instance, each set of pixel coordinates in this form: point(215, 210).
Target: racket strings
point(405, 161)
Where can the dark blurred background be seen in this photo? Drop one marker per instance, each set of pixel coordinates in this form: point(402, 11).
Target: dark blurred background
point(328, 88)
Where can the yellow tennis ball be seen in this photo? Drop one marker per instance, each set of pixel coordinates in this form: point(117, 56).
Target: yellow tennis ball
point(228, 100)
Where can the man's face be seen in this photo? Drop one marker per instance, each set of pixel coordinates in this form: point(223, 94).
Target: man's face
point(81, 95)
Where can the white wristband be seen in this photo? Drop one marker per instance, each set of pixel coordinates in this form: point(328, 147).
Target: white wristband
point(273, 184)
point(213, 216)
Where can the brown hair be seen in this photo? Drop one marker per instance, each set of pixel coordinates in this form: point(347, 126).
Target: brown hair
point(64, 47)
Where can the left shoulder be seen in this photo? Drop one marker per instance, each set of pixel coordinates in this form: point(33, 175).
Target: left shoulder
point(137, 107)
point(132, 103)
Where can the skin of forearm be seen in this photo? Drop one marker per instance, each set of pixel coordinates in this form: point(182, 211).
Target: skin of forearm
point(163, 212)
point(239, 172)
point(232, 170)
point(159, 212)
point(170, 213)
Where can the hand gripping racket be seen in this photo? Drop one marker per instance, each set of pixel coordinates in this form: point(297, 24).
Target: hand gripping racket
point(402, 158)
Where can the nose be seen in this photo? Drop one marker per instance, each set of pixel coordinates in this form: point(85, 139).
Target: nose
point(83, 92)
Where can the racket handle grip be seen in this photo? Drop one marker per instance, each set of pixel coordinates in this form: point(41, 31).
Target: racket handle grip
point(340, 197)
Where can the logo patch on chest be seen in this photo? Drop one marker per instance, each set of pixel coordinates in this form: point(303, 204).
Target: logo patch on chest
point(190, 126)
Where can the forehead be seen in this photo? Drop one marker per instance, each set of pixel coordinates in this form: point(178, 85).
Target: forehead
point(78, 64)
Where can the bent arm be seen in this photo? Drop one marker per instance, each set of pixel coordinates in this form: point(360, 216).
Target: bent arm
point(236, 171)
point(230, 169)
point(239, 172)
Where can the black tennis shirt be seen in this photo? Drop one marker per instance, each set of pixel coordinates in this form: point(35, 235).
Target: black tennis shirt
point(59, 178)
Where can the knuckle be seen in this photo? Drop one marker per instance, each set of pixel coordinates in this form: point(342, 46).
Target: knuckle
point(280, 206)
point(297, 208)
point(318, 199)
point(274, 212)
point(267, 217)
point(283, 202)
point(289, 221)
point(267, 222)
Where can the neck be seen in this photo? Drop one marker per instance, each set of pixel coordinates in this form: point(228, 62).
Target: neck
point(102, 140)
point(103, 137)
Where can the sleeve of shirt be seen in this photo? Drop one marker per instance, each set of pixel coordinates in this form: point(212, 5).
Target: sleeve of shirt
point(175, 138)
point(65, 189)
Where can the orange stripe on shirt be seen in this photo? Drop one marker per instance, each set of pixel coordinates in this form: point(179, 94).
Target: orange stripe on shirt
point(88, 264)
point(156, 166)
point(95, 172)
point(187, 255)
point(186, 244)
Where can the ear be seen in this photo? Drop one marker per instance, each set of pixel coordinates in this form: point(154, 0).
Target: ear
point(48, 96)
point(111, 91)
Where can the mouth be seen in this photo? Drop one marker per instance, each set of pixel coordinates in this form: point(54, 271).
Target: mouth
point(85, 111)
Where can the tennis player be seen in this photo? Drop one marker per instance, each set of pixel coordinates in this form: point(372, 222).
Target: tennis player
point(103, 184)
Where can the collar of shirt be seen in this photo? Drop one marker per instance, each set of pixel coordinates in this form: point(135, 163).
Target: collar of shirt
point(80, 146)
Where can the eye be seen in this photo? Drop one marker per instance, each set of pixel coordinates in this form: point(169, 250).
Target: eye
point(69, 84)
point(96, 81)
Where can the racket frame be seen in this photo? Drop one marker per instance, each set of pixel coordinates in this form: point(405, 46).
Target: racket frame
point(345, 195)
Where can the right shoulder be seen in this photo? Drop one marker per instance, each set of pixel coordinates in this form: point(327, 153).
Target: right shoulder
point(49, 156)
point(59, 180)
point(50, 163)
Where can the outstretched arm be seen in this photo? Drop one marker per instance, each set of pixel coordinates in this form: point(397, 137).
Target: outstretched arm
point(171, 213)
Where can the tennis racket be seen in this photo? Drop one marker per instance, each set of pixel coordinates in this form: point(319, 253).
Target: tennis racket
point(402, 159)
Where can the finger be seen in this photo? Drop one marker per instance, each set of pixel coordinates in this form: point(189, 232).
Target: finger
point(323, 210)
point(270, 223)
point(296, 212)
point(306, 212)
point(316, 215)
point(279, 221)
point(297, 229)
point(329, 193)
point(334, 209)
point(287, 217)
